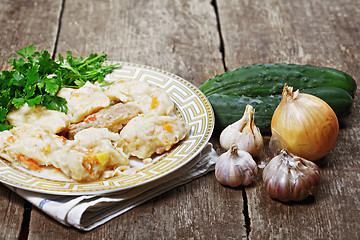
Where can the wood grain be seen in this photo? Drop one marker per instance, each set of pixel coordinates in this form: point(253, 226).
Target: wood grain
point(306, 32)
point(11, 209)
point(27, 22)
point(177, 36)
point(183, 37)
point(22, 24)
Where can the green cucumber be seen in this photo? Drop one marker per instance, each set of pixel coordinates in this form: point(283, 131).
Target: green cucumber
point(230, 108)
point(261, 86)
point(338, 99)
point(269, 79)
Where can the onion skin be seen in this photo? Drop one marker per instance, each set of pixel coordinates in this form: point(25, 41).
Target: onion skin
point(305, 125)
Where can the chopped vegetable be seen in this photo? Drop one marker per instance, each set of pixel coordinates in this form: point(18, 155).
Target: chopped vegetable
point(168, 127)
point(29, 163)
point(36, 79)
point(102, 157)
point(154, 103)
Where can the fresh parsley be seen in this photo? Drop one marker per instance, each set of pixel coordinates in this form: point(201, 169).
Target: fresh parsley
point(36, 79)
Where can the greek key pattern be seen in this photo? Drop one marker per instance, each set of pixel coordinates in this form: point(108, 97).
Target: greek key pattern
point(191, 105)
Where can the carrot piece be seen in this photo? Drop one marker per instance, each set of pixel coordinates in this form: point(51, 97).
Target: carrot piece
point(64, 139)
point(29, 162)
point(90, 118)
point(10, 139)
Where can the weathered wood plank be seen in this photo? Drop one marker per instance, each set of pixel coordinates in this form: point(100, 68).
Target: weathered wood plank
point(202, 209)
point(199, 210)
point(22, 24)
point(177, 36)
point(27, 22)
point(180, 37)
point(302, 32)
point(11, 209)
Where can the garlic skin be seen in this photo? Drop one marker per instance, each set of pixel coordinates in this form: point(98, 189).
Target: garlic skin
point(244, 134)
point(235, 167)
point(290, 178)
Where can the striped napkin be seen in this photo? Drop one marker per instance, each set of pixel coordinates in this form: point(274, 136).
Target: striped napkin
point(87, 212)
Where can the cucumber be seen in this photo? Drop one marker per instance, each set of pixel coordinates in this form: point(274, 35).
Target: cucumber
point(338, 99)
point(230, 108)
point(269, 79)
point(261, 86)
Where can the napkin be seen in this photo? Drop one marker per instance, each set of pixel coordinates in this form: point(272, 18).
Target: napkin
point(87, 212)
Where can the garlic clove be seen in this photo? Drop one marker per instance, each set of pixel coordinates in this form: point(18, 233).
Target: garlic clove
point(290, 178)
point(232, 132)
point(244, 134)
point(258, 140)
point(235, 167)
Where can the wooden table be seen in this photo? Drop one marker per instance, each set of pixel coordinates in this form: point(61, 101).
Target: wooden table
point(196, 40)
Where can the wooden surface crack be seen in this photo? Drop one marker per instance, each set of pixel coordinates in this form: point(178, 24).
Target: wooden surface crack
point(24, 232)
point(221, 47)
point(59, 28)
point(246, 213)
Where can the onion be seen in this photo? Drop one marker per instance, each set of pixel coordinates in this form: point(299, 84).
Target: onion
point(304, 124)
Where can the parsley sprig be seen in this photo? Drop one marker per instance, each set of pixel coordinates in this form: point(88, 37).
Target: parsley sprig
point(36, 79)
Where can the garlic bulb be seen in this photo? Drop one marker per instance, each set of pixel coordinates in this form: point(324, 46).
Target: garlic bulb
point(235, 167)
point(304, 124)
point(244, 134)
point(290, 178)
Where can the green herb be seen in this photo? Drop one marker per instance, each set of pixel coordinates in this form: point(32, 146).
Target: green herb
point(36, 79)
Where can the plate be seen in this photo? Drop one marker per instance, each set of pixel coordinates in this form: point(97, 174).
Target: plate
point(190, 105)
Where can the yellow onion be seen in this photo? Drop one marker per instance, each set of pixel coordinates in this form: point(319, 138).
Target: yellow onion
point(304, 124)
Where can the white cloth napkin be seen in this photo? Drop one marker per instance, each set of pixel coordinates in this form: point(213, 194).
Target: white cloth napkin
point(86, 212)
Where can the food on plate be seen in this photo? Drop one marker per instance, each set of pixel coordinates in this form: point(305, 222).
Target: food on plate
point(86, 158)
point(64, 114)
point(97, 136)
point(84, 101)
point(36, 79)
point(150, 99)
point(51, 120)
point(114, 118)
point(80, 102)
point(149, 134)
point(261, 86)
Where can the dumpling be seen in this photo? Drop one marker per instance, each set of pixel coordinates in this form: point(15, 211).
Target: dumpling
point(84, 101)
point(92, 152)
point(86, 158)
point(51, 120)
point(29, 145)
point(146, 134)
point(150, 99)
point(112, 118)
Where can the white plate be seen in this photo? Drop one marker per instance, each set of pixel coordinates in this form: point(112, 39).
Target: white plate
point(190, 104)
